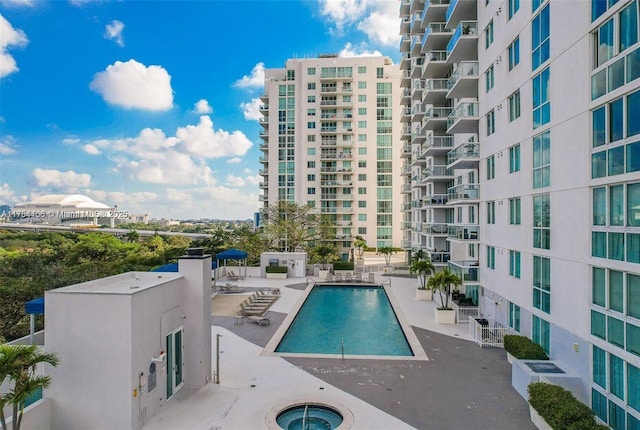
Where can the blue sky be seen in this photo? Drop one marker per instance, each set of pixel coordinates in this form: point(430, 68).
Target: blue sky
point(152, 105)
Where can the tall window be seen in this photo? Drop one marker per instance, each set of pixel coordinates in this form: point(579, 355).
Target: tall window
point(488, 34)
point(514, 159)
point(542, 283)
point(514, 316)
point(540, 38)
point(541, 102)
point(491, 212)
point(491, 257)
point(514, 211)
point(311, 71)
point(540, 332)
point(542, 160)
point(542, 221)
point(628, 26)
point(514, 6)
point(604, 42)
point(491, 122)
point(489, 78)
point(514, 53)
point(514, 106)
point(491, 167)
point(514, 264)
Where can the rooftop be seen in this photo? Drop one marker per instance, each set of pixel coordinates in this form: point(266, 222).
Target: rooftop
point(124, 284)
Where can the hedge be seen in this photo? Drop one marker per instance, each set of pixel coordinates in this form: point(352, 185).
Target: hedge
point(560, 409)
point(343, 265)
point(276, 269)
point(523, 348)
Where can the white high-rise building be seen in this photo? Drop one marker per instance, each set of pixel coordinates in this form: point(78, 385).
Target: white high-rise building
point(545, 97)
point(331, 140)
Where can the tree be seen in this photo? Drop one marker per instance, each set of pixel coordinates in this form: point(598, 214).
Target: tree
point(423, 268)
point(360, 244)
point(441, 282)
point(18, 365)
point(386, 251)
point(290, 227)
point(323, 254)
point(133, 236)
point(419, 255)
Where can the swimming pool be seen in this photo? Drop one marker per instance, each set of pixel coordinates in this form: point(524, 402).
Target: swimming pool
point(359, 319)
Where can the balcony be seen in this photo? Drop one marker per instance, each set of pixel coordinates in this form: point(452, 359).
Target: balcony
point(463, 45)
point(435, 91)
point(263, 198)
point(406, 189)
point(416, 45)
point(463, 232)
point(459, 10)
point(416, 23)
point(334, 74)
point(435, 64)
point(417, 227)
point(406, 244)
point(334, 155)
point(464, 118)
point(263, 147)
point(436, 174)
point(263, 160)
point(417, 112)
point(417, 135)
point(264, 133)
point(436, 118)
point(406, 206)
point(264, 97)
point(434, 10)
point(436, 36)
point(405, 25)
point(263, 172)
point(406, 170)
point(466, 270)
point(463, 82)
point(405, 43)
point(435, 200)
point(435, 145)
point(335, 130)
point(406, 151)
point(416, 89)
point(465, 156)
point(264, 109)
point(464, 193)
point(436, 229)
point(264, 122)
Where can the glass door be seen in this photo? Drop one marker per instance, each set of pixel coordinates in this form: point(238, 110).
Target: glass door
point(175, 377)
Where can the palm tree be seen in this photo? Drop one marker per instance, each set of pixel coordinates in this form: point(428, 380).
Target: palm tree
point(419, 255)
point(386, 251)
point(423, 268)
point(442, 281)
point(360, 244)
point(18, 363)
point(133, 236)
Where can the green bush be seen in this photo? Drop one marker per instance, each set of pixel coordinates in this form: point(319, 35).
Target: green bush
point(276, 269)
point(560, 409)
point(343, 265)
point(523, 348)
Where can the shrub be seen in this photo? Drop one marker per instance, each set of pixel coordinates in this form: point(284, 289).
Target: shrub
point(343, 265)
point(275, 269)
point(560, 409)
point(523, 348)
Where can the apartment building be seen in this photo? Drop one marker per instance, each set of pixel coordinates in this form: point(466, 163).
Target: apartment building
point(552, 91)
point(331, 140)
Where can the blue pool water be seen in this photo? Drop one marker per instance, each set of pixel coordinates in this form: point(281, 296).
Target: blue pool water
point(309, 417)
point(361, 317)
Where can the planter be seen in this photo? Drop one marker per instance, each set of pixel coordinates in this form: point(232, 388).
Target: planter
point(445, 316)
point(276, 276)
point(323, 273)
point(424, 295)
point(360, 261)
point(537, 420)
point(510, 358)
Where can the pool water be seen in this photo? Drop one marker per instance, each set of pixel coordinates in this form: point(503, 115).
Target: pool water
point(360, 318)
point(309, 418)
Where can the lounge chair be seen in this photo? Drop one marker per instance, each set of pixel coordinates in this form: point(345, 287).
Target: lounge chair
point(245, 311)
point(358, 277)
point(348, 277)
point(230, 288)
point(259, 300)
point(372, 277)
point(231, 275)
point(338, 277)
point(329, 277)
point(249, 304)
point(259, 320)
point(265, 297)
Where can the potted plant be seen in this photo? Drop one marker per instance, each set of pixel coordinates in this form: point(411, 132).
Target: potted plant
point(423, 268)
point(442, 282)
point(522, 348)
point(386, 251)
point(359, 244)
point(324, 255)
point(553, 407)
point(276, 272)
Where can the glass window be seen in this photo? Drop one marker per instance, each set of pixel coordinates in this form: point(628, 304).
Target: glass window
point(514, 264)
point(600, 206)
point(488, 35)
point(633, 248)
point(540, 38)
point(514, 106)
point(514, 53)
point(514, 211)
point(628, 26)
point(311, 71)
point(633, 295)
point(633, 157)
point(633, 113)
point(633, 339)
point(616, 75)
point(599, 126)
point(598, 401)
point(362, 70)
point(633, 205)
point(489, 79)
point(598, 289)
point(542, 160)
point(514, 316)
point(491, 122)
point(491, 167)
point(599, 164)
point(540, 332)
point(542, 283)
point(616, 376)
point(599, 84)
point(491, 212)
point(633, 65)
point(616, 161)
point(514, 159)
point(514, 6)
point(633, 380)
point(616, 120)
point(598, 7)
point(541, 103)
point(599, 244)
point(616, 246)
point(600, 367)
point(598, 325)
point(615, 331)
point(616, 205)
point(604, 43)
point(616, 288)
point(542, 221)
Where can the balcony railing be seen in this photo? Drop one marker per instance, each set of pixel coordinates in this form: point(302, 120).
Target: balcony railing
point(464, 191)
point(464, 69)
point(438, 142)
point(438, 112)
point(436, 171)
point(463, 232)
point(436, 228)
point(438, 257)
point(435, 200)
point(464, 28)
point(450, 9)
point(466, 270)
point(436, 56)
point(463, 110)
point(436, 84)
point(429, 3)
point(466, 150)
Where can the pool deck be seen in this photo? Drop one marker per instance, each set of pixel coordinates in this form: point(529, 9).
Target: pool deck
point(461, 386)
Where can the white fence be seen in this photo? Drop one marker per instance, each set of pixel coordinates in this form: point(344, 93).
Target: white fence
point(487, 334)
point(465, 313)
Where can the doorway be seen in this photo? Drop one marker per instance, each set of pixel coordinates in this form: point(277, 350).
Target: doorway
point(175, 362)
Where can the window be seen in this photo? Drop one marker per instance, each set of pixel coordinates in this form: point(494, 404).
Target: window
point(362, 190)
point(362, 70)
point(514, 211)
point(362, 203)
point(514, 6)
point(514, 106)
point(311, 112)
point(628, 26)
point(380, 72)
point(362, 111)
point(362, 98)
point(542, 283)
point(491, 167)
point(311, 124)
point(362, 150)
point(542, 160)
point(514, 316)
point(633, 113)
point(491, 257)
point(362, 217)
point(311, 164)
point(489, 78)
point(311, 71)
point(311, 190)
point(540, 332)
point(311, 151)
point(362, 85)
point(362, 124)
point(311, 86)
point(540, 38)
point(514, 53)
point(362, 163)
point(291, 75)
point(541, 102)
point(311, 178)
point(514, 159)
point(514, 264)
point(542, 221)
point(491, 122)
point(491, 212)
point(311, 99)
point(488, 35)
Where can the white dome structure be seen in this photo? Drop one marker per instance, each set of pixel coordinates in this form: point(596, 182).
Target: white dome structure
point(69, 209)
point(62, 201)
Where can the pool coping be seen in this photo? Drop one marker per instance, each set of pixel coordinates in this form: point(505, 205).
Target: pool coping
point(347, 416)
point(416, 347)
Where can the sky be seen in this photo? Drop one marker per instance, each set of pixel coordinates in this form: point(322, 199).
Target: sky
point(153, 106)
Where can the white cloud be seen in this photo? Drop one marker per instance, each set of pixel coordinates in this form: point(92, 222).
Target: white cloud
point(203, 141)
point(255, 80)
point(358, 50)
point(134, 85)
point(382, 24)
point(234, 160)
point(70, 140)
point(9, 37)
point(235, 181)
point(343, 12)
point(202, 107)
point(7, 146)
point(123, 200)
point(253, 180)
point(8, 196)
point(211, 202)
point(17, 3)
point(57, 179)
point(113, 31)
point(251, 109)
point(91, 149)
